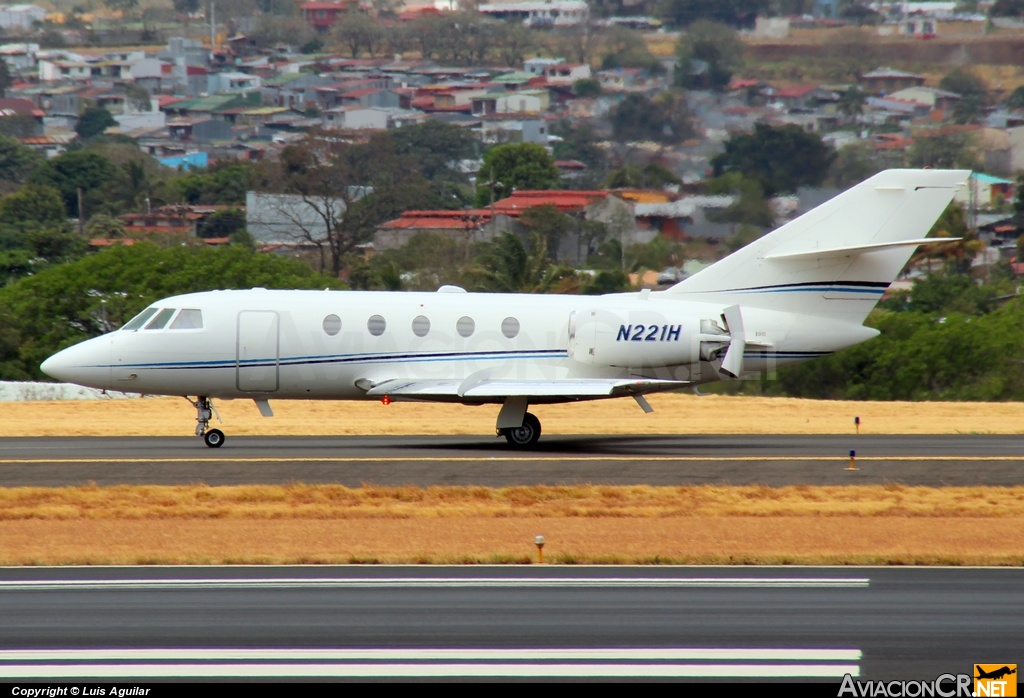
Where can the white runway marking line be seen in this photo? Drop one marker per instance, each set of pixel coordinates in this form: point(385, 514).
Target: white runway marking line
point(438, 583)
point(360, 663)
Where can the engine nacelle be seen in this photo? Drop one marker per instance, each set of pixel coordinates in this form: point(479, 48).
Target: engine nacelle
point(642, 338)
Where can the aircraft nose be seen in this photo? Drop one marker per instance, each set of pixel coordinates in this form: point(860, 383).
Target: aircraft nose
point(86, 363)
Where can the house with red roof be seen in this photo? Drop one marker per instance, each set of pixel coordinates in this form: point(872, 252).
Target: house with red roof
point(469, 227)
point(324, 15)
point(483, 225)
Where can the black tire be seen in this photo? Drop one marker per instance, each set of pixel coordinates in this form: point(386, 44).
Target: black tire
point(525, 436)
point(214, 438)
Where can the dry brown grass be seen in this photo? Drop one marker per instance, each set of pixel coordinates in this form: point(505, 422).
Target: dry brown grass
point(674, 414)
point(671, 540)
point(261, 524)
point(337, 502)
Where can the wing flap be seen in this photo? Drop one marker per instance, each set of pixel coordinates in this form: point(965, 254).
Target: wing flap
point(569, 388)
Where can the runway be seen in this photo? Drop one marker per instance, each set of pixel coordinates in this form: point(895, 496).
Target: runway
point(486, 622)
point(970, 459)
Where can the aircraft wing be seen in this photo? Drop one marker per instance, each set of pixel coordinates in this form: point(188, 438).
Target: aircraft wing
point(547, 390)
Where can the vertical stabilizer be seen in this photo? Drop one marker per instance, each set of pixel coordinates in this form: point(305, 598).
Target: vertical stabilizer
point(838, 259)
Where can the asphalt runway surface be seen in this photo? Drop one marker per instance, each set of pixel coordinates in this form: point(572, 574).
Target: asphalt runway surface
point(946, 460)
point(479, 622)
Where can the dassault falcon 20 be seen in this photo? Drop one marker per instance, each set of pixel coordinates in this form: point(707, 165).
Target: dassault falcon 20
point(800, 292)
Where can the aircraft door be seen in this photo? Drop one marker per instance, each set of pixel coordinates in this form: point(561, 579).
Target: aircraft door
point(258, 351)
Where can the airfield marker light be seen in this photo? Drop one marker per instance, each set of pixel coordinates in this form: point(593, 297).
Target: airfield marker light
point(539, 542)
point(853, 460)
point(386, 400)
point(856, 423)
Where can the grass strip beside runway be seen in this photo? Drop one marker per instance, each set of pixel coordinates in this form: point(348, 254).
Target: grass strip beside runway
point(320, 524)
point(674, 414)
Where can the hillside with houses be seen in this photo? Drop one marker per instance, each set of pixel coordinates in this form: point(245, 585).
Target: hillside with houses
point(408, 146)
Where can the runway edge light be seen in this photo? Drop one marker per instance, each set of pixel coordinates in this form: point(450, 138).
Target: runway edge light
point(853, 461)
point(539, 542)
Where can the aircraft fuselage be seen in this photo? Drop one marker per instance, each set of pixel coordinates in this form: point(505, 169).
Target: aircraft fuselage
point(334, 344)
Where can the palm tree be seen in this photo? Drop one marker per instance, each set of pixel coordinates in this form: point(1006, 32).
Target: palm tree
point(507, 266)
point(851, 103)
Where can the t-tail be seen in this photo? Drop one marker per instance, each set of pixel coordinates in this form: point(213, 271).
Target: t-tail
point(837, 260)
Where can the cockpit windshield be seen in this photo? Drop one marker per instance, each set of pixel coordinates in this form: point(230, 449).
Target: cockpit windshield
point(140, 319)
point(157, 319)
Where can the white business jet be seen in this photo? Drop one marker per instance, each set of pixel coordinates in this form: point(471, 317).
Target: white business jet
point(800, 292)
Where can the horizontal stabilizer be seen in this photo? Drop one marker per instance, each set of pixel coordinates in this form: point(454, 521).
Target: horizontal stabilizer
point(854, 250)
point(567, 388)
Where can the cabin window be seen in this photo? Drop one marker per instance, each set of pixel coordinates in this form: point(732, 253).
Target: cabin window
point(158, 322)
point(332, 324)
point(140, 319)
point(188, 319)
point(510, 327)
point(420, 326)
point(465, 326)
point(376, 325)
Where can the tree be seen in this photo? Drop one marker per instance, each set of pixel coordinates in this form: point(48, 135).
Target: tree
point(665, 119)
point(346, 191)
point(653, 175)
point(549, 224)
point(123, 6)
point(626, 48)
point(515, 166)
point(506, 265)
point(973, 94)
point(579, 142)
point(512, 42)
point(1007, 8)
point(222, 224)
point(750, 207)
point(103, 225)
point(65, 304)
point(186, 7)
point(854, 163)
point(74, 170)
point(5, 78)
point(709, 54)
point(586, 87)
point(942, 150)
point(781, 158)
point(851, 103)
point(437, 148)
point(16, 162)
point(1016, 98)
point(138, 97)
point(93, 121)
point(739, 14)
point(358, 33)
point(33, 206)
point(852, 50)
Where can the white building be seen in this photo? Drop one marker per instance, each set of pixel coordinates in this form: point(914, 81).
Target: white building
point(19, 56)
point(557, 13)
point(20, 18)
point(233, 82)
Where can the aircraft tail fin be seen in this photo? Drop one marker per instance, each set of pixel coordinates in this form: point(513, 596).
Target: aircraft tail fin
point(839, 258)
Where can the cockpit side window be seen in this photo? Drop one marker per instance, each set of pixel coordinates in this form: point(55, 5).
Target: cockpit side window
point(161, 319)
point(140, 319)
point(188, 319)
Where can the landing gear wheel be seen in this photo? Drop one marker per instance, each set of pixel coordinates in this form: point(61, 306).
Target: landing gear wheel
point(525, 436)
point(214, 438)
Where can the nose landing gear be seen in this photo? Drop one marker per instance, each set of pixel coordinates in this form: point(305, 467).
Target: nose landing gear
point(214, 438)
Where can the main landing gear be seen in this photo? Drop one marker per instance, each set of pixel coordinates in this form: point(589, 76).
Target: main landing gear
point(214, 438)
point(525, 435)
